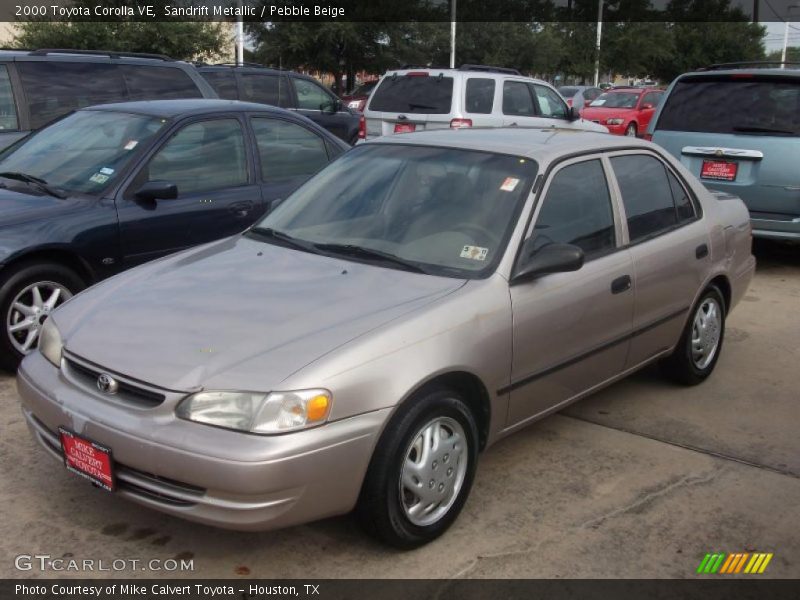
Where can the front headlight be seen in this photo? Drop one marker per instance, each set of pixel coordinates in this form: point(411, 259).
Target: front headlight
point(50, 342)
point(615, 121)
point(276, 412)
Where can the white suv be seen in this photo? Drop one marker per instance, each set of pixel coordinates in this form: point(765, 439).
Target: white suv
point(413, 99)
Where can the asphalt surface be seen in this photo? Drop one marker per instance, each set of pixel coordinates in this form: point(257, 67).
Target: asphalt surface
point(640, 480)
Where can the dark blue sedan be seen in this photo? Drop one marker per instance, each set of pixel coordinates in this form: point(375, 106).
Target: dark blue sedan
point(109, 187)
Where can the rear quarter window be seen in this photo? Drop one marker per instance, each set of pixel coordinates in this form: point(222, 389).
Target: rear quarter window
point(747, 105)
point(223, 82)
point(414, 94)
point(158, 83)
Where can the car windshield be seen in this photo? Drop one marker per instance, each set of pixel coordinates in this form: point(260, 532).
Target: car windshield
point(364, 89)
point(568, 92)
point(738, 105)
point(83, 152)
point(438, 210)
point(617, 100)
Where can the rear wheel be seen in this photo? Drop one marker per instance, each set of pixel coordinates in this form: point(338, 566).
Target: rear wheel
point(28, 294)
point(630, 131)
point(421, 472)
point(700, 345)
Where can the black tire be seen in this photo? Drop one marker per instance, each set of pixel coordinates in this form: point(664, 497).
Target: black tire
point(681, 365)
point(631, 130)
point(380, 507)
point(12, 282)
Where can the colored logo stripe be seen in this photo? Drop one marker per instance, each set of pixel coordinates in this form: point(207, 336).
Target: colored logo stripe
point(720, 562)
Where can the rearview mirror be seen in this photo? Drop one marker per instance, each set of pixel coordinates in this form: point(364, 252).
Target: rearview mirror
point(552, 258)
point(157, 190)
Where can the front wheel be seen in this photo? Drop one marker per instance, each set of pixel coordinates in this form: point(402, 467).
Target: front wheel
point(421, 472)
point(700, 345)
point(28, 294)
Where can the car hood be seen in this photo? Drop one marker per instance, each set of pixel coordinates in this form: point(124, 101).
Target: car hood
point(18, 207)
point(236, 314)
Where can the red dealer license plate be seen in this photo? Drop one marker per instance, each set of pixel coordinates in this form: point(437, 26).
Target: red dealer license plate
point(719, 169)
point(87, 459)
point(404, 127)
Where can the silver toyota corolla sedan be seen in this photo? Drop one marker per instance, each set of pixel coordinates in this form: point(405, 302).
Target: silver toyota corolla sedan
point(417, 300)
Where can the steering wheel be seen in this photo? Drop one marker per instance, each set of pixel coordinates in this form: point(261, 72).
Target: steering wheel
point(477, 232)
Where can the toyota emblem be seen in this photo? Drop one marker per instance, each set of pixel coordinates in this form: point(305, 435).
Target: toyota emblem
point(107, 384)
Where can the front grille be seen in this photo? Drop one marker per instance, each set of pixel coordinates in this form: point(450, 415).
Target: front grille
point(140, 395)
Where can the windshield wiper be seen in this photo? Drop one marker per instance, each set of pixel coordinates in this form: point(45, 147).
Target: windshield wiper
point(369, 253)
point(745, 129)
point(38, 182)
point(268, 232)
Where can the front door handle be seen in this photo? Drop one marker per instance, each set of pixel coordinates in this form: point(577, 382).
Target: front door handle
point(701, 251)
point(241, 209)
point(621, 284)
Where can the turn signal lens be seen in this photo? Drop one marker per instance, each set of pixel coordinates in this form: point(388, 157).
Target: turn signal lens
point(317, 408)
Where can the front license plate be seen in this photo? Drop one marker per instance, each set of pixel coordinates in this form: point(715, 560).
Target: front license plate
point(719, 169)
point(87, 459)
point(404, 127)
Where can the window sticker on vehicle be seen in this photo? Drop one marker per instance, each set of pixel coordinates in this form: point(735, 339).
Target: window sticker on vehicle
point(98, 178)
point(474, 252)
point(107, 171)
point(509, 184)
point(131, 144)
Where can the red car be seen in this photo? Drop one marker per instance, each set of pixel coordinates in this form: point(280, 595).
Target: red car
point(357, 99)
point(625, 111)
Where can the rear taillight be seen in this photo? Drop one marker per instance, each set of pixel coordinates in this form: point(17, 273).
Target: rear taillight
point(362, 128)
point(460, 123)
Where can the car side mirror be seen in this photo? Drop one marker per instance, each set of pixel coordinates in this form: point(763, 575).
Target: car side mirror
point(552, 258)
point(647, 105)
point(157, 190)
point(573, 113)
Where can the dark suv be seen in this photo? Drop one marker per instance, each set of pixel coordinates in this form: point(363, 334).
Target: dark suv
point(39, 86)
point(286, 89)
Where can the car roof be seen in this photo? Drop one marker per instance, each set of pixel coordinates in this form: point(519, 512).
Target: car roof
point(188, 106)
point(252, 68)
point(538, 143)
point(61, 55)
point(789, 71)
point(465, 72)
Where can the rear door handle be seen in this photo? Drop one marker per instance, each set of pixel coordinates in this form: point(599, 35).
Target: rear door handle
point(621, 284)
point(701, 251)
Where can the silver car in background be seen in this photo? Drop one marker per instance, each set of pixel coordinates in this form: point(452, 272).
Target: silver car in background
point(419, 299)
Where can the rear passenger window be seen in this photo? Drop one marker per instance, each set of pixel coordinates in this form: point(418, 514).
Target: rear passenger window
point(479, 96)
point(54, 88)
point(577, 210)
point(286, 150)
point(683, 204)
point(8, 108)
point(646, 194)
point(223, 82)
point(517, 99)
point(265, 89)
point(157, 83)
point(204, 156)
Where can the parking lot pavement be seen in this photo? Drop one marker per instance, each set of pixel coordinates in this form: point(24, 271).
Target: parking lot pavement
point(640, 480)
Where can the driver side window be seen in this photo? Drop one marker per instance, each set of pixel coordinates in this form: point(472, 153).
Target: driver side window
point(550, 103)
point(577, 210)
point(310, 96)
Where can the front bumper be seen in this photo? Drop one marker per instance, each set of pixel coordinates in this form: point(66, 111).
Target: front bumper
point(206, 474)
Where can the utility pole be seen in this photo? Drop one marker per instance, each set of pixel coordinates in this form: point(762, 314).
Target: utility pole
point(755, 11)
point(786, 33)
point(597, 45)
point(452, 34)
point(240, 37)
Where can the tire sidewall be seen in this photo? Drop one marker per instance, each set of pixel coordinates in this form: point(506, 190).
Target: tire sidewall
point(19, 278)
point(686, 342)
point(439, 403)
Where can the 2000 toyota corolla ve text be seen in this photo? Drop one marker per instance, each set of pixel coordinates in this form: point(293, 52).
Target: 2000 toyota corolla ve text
point(414, 302)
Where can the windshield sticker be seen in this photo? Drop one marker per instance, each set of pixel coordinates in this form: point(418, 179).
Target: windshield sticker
point(131, 145)
point(98, 178)
point(509, 184)
point(475, 252)
point(107, 171)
